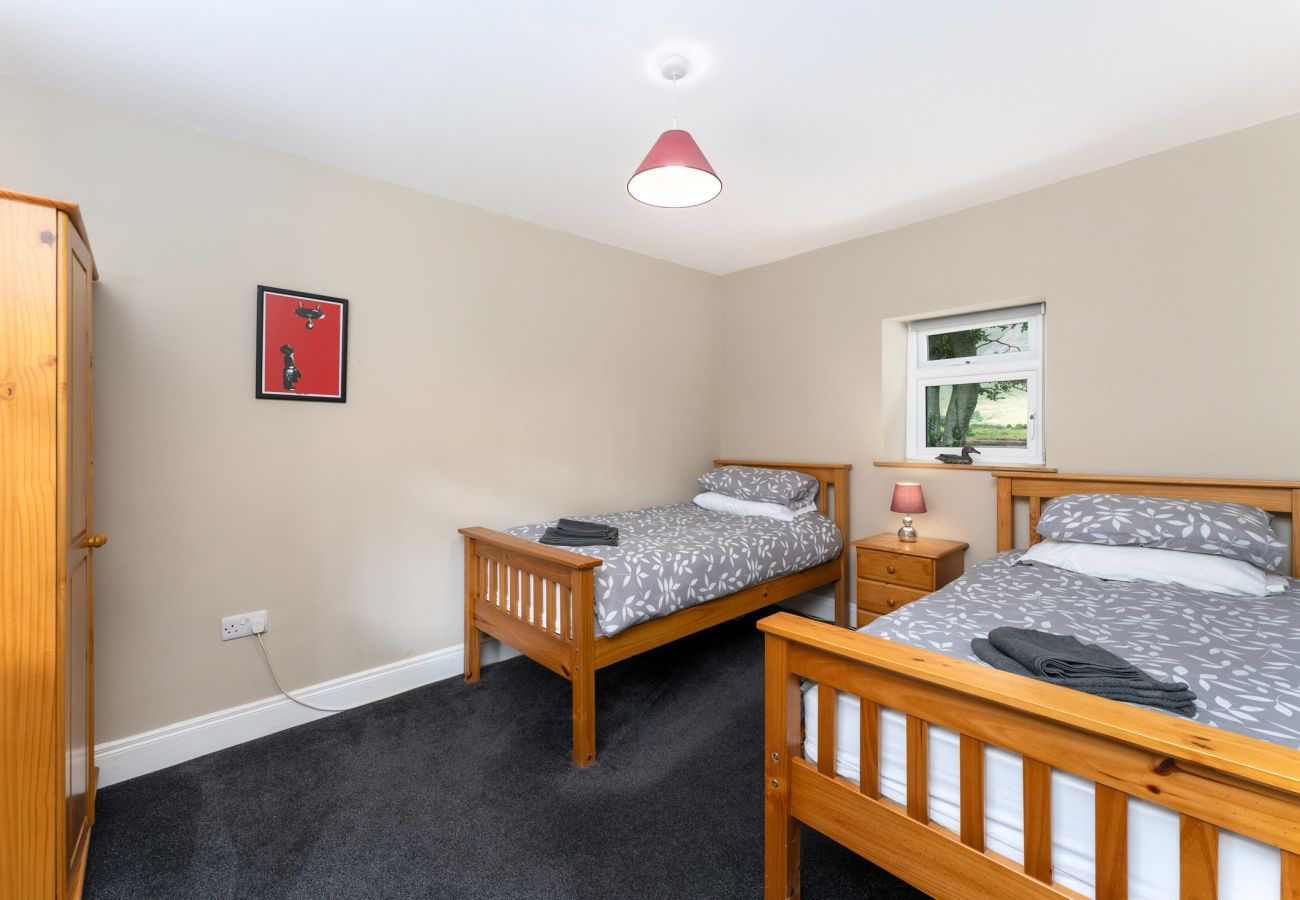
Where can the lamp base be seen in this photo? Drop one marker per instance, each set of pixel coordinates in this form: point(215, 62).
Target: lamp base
point(907, 534)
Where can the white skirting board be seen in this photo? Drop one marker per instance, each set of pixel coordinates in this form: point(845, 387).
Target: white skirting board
point(150, 751)
point(140, 754)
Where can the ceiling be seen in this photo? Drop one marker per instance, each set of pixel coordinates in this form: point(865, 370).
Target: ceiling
point(826, 120)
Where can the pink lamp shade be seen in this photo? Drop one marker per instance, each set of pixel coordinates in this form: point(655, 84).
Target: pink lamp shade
point(674, 173)
point(908, 498)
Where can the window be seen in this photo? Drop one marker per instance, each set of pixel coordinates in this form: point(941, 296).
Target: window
point(977, 379)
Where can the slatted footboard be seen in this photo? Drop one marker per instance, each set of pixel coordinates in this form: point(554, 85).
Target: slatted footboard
point(1212, 778)
point(541, 601)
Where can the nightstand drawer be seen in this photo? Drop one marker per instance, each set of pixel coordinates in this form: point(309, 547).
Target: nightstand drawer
point(879, 599)
point(896, 568)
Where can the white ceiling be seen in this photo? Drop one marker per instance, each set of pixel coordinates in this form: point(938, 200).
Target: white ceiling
point(826, 120)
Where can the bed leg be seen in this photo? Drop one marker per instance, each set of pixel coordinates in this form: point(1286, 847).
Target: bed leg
point(583, 672)
point(584, 714)
point(472, 648)
point(782, 729)
point(842, 599)
point(781, 878)
point(472, 634)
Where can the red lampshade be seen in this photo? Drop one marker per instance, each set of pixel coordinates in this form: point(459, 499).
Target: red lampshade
point(908, 498)
point(674, 173)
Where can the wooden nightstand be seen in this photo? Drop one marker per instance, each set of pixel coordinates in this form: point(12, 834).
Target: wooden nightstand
point(892, 574)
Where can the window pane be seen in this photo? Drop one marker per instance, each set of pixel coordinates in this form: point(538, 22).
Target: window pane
point(994, 340)
point(982, 413)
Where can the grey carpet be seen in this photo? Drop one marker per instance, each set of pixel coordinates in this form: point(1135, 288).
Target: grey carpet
point(466, 791)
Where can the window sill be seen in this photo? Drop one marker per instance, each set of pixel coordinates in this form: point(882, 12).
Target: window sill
point(974, 467)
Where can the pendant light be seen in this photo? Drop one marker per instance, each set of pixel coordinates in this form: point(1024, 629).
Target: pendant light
point(674, 173)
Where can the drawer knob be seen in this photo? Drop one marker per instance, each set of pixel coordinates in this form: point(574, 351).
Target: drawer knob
point(890, 569)
point(889, 601)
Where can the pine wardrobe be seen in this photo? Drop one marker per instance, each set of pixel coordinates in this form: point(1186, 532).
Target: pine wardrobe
point(47, 543)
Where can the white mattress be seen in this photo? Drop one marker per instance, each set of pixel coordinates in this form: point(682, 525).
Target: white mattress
point(1248, 870)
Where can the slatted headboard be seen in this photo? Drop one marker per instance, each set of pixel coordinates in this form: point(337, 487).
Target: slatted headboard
point(1278, 497)
point(832, 480)
point(832, 501)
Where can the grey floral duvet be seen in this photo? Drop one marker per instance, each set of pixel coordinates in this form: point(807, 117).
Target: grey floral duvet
point(673, 557)
point(1240, 655)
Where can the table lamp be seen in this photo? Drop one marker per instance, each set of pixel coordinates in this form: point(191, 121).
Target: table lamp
point(908, 499)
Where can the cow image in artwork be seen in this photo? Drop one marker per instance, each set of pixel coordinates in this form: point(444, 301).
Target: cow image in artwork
point(296, 362)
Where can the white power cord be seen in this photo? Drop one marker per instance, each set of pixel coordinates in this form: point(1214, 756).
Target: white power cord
point(266, 655)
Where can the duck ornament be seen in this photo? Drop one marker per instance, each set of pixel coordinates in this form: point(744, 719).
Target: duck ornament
point(952, 459)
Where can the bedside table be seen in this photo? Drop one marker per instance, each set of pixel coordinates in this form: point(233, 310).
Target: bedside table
point(892, 574)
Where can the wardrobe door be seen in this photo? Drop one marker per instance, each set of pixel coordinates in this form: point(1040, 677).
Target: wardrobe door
point(80, 539)
point(30, 652)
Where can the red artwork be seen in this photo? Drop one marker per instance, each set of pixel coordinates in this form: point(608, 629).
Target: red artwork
point(302, 346)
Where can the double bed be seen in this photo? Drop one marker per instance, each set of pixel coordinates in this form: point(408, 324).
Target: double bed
point(675, 571)
point(969, 782)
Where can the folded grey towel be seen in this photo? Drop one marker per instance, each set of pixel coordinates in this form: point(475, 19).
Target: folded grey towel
point(559, 539)
point(578, 527)
point(1174, 697)
point(574, 533)
point(1064, 656)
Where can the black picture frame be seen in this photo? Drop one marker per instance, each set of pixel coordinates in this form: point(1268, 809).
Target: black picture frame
point(261, 392)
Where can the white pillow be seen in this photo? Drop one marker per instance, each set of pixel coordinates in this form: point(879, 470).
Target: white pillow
point(1218, 574)
point(736, 507)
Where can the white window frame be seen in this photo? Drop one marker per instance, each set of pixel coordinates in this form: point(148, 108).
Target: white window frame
point(1026, 365)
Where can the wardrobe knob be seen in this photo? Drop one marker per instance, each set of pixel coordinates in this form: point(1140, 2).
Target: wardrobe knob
point(95, 541)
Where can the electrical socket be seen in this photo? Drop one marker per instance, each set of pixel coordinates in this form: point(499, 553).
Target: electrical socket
point(243, 625)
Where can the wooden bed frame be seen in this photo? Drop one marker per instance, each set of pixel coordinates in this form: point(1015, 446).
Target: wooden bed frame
point(1213, 778)
point(541, 601)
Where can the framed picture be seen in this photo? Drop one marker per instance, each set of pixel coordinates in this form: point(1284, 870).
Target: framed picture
point(302, 346)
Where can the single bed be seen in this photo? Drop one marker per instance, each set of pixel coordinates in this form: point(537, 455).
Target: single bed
point(677, 570)
point(969, 782)
point(1173, 632)
point(671, 558)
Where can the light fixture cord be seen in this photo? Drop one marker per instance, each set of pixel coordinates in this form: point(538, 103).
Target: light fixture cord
point(675, 102)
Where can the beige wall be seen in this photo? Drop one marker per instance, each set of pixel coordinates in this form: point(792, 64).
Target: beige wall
point(1173, 289)
point(1173, 295)
point(499, 373)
